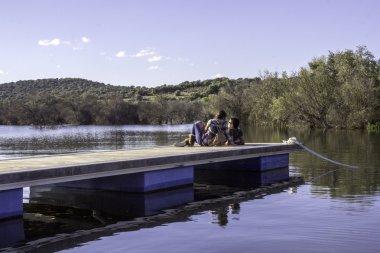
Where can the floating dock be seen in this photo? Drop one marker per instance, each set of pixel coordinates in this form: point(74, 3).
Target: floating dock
point(138, 170)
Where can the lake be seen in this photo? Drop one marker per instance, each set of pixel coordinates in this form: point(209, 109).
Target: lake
point(334, 209)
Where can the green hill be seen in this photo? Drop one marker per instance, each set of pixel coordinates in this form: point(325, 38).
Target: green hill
point(80, 101)
point(76, 87)
point(57, 87)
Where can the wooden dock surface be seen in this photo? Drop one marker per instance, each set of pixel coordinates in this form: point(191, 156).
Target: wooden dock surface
point(29, 171)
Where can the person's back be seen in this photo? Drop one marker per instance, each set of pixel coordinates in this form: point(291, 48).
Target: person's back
point(213, 134)
point(216, 130)
point(235, 134)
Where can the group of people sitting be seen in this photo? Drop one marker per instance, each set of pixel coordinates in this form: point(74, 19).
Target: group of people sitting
point(216, 132)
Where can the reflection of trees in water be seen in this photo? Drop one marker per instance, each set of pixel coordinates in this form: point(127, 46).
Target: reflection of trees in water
point(355, 147)
point(346, 146)
point(81, 141)
point(123, 139)
point(117, 138)
point(260, 134)
point(50, 143)
point(221, 214)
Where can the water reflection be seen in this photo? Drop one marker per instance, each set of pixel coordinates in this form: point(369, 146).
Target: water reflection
point(342, 204)
point(111, 203)
point(240, 179)
point(222, 215)
point(25, 141)
point(11, 232)
point(347, 146)
point(50, 210)
point(52, 225)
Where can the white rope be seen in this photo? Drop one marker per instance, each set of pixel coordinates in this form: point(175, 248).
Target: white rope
point(293, 140)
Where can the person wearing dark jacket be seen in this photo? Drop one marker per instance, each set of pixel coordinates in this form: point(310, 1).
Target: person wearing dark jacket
point(235, 134)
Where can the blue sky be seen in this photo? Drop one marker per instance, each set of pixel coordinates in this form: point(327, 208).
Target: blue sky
point(155, 42)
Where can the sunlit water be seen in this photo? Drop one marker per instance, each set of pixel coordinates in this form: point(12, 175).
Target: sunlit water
point(337, 212)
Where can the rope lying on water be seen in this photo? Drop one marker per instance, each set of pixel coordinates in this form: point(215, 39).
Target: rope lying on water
point(293, 140)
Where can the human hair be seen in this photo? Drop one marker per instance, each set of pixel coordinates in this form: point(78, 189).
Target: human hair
point(221, 115)
point(235, 122)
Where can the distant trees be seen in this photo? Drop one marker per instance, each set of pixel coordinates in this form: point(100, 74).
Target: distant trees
point(115, 111)
point(43, 110)
point(262, 98)
point(163, 111)
point(233, 98)
point(340, 90)
point(52, 110)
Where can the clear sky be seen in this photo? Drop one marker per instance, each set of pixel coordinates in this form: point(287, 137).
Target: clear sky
point(155, 42)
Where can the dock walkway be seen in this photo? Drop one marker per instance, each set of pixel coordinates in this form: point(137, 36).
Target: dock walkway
point(138, 170)
point(30, 171)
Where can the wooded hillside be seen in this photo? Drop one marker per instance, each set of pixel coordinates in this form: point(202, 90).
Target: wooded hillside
point(340, 90)
point(75, 87)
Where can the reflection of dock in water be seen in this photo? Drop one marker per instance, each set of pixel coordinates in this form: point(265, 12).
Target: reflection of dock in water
point(11, 232)
point(120, 204)
point(241, 179)
point(55, 209)
point(132, 183)
point(217, 206)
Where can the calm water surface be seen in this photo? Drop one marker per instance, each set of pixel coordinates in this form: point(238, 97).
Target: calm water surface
point(333, 210)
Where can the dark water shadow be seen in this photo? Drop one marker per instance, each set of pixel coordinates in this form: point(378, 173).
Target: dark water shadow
point(240, 179)
point(11, 232)
point(119, 205)
point(64, 239)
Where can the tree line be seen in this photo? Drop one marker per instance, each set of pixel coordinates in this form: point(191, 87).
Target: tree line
point(340, 90)
point(48, 109)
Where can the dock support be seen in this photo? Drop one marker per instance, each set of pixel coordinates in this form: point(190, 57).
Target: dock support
point(11, 203)
point(139, 182)
point(112, 202)
point(257, 164)
point(247, 172)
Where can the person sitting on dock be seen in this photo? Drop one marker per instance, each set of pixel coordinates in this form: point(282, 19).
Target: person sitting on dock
point(214, 133)
point(235, 134)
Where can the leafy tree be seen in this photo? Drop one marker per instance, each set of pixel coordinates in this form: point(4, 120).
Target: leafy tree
point(233, 99)
point(357, 100)
point(340, 90)
point(262, 93)
point(84, 110)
